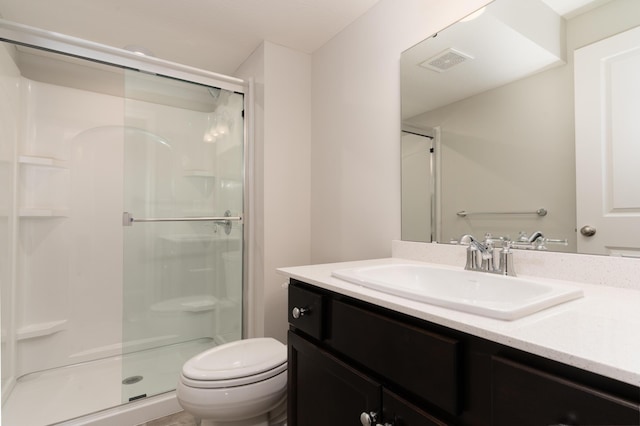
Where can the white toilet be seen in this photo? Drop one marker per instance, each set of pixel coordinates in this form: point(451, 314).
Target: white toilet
point(242, 383)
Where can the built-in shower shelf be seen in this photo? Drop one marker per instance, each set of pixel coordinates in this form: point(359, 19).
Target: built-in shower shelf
point(43, 213)
point(199, 173)
point(41, 329)
point(42, 161)
point(201, 303)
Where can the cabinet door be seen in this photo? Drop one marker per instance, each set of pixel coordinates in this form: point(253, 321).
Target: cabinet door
point(422, 362)
point(400, 412)
point(323, 390)
point(526, 396)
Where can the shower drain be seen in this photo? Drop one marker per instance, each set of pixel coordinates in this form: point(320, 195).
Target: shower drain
point(131, 380)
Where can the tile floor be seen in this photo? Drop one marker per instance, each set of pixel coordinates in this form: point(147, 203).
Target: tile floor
point(177, 419)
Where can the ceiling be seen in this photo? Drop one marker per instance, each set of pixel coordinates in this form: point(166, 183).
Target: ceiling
point(216, 35)
point(509, 40)
point(570, 8)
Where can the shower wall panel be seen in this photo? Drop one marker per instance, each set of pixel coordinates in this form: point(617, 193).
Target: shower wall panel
point(9, 119)
point(70, 244)
point(85, 158)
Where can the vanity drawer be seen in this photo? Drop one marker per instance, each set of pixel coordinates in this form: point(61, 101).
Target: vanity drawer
point(526, 396)
point(409, 358)
point(399, 412)
point(306, 310)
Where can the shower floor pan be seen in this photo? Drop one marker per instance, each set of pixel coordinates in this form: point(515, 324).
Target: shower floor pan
point(60, 394)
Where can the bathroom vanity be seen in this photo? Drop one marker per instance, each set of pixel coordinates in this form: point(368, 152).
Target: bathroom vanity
point(357, 356)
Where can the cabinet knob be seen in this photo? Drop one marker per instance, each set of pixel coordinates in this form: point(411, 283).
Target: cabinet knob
point(368, 419)
point(299, 312)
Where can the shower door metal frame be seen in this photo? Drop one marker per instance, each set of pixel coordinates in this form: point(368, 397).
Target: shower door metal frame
point(435, 167)
point(24, 35)
point(83, 49)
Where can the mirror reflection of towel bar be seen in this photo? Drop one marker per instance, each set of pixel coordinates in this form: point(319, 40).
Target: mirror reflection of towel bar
point(464, 213)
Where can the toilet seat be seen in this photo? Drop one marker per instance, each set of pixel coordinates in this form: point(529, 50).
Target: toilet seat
point(242, 381)
point(235, 364)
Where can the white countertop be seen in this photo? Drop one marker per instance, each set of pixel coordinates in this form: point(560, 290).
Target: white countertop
point(599, 332)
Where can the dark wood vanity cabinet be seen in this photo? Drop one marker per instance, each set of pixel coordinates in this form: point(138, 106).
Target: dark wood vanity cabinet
point(527, 396)
point(327, 391)
point(348, 359)
point(330, 392)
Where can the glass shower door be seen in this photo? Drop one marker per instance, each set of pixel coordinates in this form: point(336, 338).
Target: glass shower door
point(183, 233)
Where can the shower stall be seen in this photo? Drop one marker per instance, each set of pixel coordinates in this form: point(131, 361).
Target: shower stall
point(122, 224)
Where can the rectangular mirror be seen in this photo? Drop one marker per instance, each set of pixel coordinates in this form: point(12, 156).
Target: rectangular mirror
point(494, 142)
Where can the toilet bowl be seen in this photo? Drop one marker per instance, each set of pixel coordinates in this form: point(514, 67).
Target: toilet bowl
point(242, 383)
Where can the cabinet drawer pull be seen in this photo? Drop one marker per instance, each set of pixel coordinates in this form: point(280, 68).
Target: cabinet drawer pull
point(299, 312)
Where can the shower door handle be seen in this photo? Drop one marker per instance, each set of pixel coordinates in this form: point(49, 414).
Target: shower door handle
point(128, 219)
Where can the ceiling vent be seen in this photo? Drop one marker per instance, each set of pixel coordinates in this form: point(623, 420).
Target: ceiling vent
point(445, 60)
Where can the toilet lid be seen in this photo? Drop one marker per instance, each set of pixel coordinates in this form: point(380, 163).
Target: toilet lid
point(237, 359)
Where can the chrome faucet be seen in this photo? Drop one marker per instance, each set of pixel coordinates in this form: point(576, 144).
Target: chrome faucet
point(477, 252)
point(480, 255)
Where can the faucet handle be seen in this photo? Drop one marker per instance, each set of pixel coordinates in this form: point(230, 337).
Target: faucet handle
point(490, 239)
point(466, 240)
point(506, 260)
point(531, 239)
point(536, 241)
point(541, 243)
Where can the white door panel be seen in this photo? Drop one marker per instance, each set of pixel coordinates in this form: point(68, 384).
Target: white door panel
point(607, 93)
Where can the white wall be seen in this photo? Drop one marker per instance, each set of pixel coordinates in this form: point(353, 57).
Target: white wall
point(253, 69)
point(282, 177)
point(355, 152)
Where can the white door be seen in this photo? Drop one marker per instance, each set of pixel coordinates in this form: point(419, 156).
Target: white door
point(607, 94)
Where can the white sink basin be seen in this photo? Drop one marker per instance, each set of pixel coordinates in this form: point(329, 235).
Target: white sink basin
point(489, 295)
